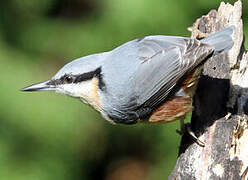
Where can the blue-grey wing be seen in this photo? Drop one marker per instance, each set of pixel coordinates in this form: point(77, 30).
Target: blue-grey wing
point(165, 60)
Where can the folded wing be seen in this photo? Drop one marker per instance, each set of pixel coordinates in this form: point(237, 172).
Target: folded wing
point(172, 58)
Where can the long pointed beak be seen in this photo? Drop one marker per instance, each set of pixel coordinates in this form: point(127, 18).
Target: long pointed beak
point(43, 86)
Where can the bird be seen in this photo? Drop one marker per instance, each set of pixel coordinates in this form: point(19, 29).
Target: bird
point(150, 79)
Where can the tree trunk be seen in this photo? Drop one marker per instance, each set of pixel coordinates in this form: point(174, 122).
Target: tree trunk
point(220, 104)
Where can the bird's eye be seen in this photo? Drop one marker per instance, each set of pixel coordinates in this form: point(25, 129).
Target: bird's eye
point(68, 79)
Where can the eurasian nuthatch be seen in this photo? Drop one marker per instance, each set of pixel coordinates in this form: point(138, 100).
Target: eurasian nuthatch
point(151, 78)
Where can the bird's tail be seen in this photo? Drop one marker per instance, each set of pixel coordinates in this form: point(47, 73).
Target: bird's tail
point(221, 40)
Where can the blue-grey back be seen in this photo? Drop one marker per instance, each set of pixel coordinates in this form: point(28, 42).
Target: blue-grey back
point(121, 67)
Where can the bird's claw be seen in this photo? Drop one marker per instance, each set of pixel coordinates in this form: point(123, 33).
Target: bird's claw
point(185, 128)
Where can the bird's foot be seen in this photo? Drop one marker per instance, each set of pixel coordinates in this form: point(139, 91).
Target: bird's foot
point(185, 128)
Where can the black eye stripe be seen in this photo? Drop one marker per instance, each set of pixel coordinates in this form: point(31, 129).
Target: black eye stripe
point(55, 82)
point(79, 78)
point(85, 76)
point(89, 75)
point(63, 80)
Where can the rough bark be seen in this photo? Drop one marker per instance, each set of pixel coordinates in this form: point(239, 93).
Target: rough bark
point(220, 104)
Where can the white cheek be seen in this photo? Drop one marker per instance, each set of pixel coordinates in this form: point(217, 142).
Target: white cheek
point(82, 89)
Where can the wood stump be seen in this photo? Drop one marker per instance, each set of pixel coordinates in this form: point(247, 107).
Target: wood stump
point(220, 105)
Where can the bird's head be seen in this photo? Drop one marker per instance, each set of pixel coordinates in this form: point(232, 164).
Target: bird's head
point(80, 78)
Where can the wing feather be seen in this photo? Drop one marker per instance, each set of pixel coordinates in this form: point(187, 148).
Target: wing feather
point(160, 72)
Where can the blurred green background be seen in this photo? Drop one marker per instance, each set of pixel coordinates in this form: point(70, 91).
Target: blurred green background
point(47, 136)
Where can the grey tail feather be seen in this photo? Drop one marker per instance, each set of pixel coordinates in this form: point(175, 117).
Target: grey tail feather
point(221, 40)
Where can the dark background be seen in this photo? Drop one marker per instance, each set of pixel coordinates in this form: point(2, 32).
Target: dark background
point(47, 136)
